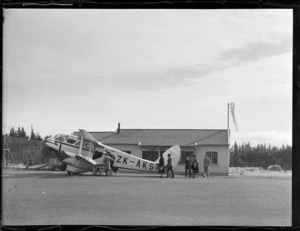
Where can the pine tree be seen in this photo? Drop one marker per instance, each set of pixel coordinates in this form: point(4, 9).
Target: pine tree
point(38, 137)
point(23, 133)
point(19, 132)
point(32, 136)
point(12, 132)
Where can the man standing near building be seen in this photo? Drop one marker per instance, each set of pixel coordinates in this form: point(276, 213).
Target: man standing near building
point(170, 166)
point(187, 166)
point(206, 163)
point(161, 165)
point(195, 166)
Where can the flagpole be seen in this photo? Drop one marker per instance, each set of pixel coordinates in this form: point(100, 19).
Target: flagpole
point(228, 121)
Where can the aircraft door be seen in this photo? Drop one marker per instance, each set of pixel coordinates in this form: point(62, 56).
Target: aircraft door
point(88, 149)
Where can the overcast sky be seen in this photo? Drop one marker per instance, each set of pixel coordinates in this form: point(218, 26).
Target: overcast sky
point(175, 69)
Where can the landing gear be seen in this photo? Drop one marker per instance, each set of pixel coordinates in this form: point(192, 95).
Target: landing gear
point(70, 173)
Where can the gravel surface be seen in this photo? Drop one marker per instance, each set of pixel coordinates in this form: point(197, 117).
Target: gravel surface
point(53, 198)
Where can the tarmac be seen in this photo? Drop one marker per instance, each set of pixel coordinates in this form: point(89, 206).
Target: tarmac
point(137, 199)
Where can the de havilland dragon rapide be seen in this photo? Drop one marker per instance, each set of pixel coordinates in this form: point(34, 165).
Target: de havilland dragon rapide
point(83, 153)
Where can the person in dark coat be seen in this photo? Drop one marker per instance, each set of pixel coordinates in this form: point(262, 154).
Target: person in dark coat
point(170, 166)
point(187, 166)
point(161, 166)
point(195, 167)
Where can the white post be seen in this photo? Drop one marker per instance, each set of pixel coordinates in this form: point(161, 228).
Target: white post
point(228, 122)
point(90, 149)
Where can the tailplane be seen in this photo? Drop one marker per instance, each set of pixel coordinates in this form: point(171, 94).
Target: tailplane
point(175, 154)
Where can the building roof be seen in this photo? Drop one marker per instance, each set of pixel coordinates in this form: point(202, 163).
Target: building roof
point(164, 137)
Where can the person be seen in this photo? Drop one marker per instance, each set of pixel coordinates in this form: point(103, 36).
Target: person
point(191, 174)
point(161, 166)
point(195, 167)
point(95, 170)
point(106, 161)
point(206, 163)
point(170, 166)
point(112, 161)
point(187, 166)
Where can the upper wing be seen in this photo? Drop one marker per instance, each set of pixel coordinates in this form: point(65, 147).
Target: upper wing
point(87, 136)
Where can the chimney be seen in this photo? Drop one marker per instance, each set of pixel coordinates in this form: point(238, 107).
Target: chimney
point(118, 130)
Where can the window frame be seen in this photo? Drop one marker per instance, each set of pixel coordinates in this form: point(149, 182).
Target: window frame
point(154, 158)
point(210, 156)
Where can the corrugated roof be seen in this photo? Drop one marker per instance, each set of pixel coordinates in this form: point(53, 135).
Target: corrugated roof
point(164, 137)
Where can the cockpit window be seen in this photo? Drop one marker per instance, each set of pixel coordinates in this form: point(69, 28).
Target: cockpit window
point(60, 137)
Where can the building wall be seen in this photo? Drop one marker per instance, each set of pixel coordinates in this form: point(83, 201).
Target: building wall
point(135, 149)
point(222, 168)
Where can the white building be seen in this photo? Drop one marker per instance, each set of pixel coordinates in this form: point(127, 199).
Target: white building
point(149, 143)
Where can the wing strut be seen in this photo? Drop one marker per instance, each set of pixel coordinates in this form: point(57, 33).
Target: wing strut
point(81, 144)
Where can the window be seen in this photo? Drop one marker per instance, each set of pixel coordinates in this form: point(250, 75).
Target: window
point(150, 155)
point(60, 137)
point(213, 156)
point(71, 141)
point(128, 152)
point(88, 146)
point(183, 156)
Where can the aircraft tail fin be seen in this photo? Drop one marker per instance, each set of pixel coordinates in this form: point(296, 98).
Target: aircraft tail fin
point(175, 154)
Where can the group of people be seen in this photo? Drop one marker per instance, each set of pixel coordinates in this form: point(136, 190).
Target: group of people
point(168, 167)
point(108, 161)
point(191, 166)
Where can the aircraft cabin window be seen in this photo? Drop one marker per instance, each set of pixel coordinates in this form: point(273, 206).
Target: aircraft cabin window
point(88, 145)
point(71, 141)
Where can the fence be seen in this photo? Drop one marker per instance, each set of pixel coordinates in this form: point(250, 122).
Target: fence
point(239, 171)
point(21, 150)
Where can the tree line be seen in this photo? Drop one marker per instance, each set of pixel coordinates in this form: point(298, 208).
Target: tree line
point(21, 133)
point(244, 155)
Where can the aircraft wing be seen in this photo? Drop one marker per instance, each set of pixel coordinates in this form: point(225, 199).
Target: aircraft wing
point(87, 162)
point(87, 136)
point(64, 155)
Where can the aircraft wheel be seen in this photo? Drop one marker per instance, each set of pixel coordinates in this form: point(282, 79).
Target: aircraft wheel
point(70, 173)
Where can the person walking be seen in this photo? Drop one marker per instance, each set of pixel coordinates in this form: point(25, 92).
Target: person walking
point(161, 166)
point(170, 166)
point(187, 166)
point(206, 164)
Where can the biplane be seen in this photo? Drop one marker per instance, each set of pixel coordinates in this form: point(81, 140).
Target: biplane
point(83, 153)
